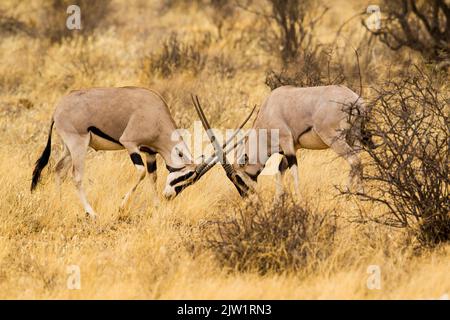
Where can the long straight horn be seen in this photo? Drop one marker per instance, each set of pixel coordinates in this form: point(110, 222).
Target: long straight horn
point(217, 147)
point(241, 187)
point(239, 129)
point(213, 159)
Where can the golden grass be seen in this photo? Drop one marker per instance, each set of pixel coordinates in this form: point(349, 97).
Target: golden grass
point(158, 253)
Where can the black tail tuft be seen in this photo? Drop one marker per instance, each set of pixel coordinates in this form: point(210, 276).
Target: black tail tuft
point(42, 161)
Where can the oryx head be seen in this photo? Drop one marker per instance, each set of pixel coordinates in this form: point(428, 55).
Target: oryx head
point(248, 166)
point(178, 179)
point(183, 172)
point(236, 173)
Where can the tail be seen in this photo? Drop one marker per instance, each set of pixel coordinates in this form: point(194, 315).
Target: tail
point(43, 160)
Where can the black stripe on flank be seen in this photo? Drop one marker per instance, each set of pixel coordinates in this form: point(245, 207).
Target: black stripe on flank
point(182, 178)
point(172, 169)
point(307, 130)
point(147, 150)
point(151, 167)
point(101, 134)
point(137, 159)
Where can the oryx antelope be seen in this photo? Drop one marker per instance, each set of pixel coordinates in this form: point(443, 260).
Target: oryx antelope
point(131, 118)
point(311, 118)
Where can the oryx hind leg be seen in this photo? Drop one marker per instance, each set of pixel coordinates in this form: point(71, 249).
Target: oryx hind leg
point(133, 151)
point(289, 161)
point(339, 145)
point(61, 166)
point(77, 146)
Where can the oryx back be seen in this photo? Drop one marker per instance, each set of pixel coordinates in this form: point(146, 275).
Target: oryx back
point(105, 114)
point(313, 116)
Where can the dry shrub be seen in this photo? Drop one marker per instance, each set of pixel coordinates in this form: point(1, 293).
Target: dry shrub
point(288, 26)
point(422, 26)
point(273, 238)
point(408, 173)
point(11, 25)
point(295, 25)
point(176, 55)
point(167, 5)
point(307, 71)
point(222, 65)
point(53, 22)
point(222, 11)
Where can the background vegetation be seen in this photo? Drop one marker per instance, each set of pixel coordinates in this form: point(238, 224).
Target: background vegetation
point(207, 243)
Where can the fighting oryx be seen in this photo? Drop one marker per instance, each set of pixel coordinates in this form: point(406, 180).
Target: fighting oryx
point(131, 118)
point(311, 118)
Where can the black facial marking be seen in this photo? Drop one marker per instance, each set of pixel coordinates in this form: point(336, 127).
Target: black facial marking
point(178, 189)
point(305, 131)
point(101, 134)
point(136, 158)
point(254, 177)
point(243, 188)
point(151, 167)
point(182, 178)
point(172, 169)
point(147, 150)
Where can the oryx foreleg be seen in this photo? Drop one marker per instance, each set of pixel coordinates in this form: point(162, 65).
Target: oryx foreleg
point(151, 169)
point(341, 147)
point(279, 177)
point(293, 167)
point(289, 159)
point(136, 158)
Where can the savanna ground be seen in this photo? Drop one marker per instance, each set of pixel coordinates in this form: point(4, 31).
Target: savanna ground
point(163, 253)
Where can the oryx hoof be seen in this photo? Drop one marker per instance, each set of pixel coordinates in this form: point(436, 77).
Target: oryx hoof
point(123, 207)
point(155, 202)
point(91, 215)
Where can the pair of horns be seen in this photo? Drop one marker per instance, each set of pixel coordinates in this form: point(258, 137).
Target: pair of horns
point(220, 151)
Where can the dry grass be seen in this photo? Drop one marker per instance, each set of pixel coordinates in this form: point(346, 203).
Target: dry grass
point(159, 253)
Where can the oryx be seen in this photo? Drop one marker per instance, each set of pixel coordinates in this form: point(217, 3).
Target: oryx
point(131, 118)
point(311, 118)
